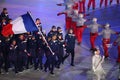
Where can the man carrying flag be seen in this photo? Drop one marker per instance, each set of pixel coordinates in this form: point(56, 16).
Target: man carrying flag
point(22, 24)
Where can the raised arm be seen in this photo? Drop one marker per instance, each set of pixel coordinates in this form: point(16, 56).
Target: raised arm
point(101, 33)
point(64, 12)
point(101, 26)
point(61, 4)
point(116, 41)
point(114, 32)
point(89, 26)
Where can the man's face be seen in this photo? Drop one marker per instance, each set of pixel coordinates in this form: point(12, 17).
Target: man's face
point(14, 42)
point(10, 21)
point(5, 11)
point(28, 33)
point(54, 29)
point(21, 37)
point(60, 30)
point(71, 31)
point(94, 20)
point(107, 26)
point(97, 52)
point(54, 37)
point(3, 20)
point(38, 22)
point(81, 16)
point(33, 38)
point(60, 37)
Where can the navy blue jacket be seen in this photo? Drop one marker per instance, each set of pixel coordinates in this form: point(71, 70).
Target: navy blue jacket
point(54, 46)
point(22, 45)
point(70, 41)
point(61, 47)
point(51, 33)
point(31, 44)
point(13, 51)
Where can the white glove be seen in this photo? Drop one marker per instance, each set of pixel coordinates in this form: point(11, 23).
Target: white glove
point(53, 53)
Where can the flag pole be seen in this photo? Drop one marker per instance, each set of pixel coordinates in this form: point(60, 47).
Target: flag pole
point(42, 36)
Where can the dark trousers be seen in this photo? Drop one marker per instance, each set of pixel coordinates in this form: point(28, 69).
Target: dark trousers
point(59, 61)
point(72, 52)
point(22, 59)
point(60, 57)
point(14, 62)
point(47, 63)
point(32, 58)
point(29, 61)
point(1, 62)
point(7, 65)
point(50, 63)
point(39, 59)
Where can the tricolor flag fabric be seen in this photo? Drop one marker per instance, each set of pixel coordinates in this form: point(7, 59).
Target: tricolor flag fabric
point(22, 24)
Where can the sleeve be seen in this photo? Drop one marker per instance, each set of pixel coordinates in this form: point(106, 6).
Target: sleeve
point(63, 4)
point(113, 32)
point(93, 63)
point(66, 36)
point(102, 59)
point(99, 25)
point(101, 33)
point(48, 35)
point(117, 40)
point(89, 26)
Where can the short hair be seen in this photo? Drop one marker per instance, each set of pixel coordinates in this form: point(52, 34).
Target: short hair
point(54, 35)
point(10, 19)
point(4, 9)
point(70, 29)
point(53, 27)
point(37, 19)
point(58, 28)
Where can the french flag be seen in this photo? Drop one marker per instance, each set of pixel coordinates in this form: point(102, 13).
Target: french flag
point(22, 24)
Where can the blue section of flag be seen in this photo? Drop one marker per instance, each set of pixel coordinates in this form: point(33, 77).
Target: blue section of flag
point(29, 23)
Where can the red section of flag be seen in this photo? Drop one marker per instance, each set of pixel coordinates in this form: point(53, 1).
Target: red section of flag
point(7, 30)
